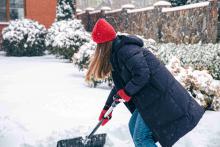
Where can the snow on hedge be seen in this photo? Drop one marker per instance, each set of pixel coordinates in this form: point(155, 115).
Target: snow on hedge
point(82, 57)
point(200, 84)
point(24, 37)
point(199, 56)
point(191, 5)
point(64, 38)
point(64, 10)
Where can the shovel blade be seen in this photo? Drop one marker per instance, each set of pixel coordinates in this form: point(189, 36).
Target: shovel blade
point(97, 140)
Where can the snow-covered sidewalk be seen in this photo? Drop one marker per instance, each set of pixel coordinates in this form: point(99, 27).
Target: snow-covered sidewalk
point(43, 99)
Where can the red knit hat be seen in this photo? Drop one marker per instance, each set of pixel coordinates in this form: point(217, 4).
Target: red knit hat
point(103, 31)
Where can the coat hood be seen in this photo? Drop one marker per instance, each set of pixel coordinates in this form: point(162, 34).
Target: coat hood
point(122, 40)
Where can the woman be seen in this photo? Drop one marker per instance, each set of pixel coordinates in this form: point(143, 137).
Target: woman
point(162, 110)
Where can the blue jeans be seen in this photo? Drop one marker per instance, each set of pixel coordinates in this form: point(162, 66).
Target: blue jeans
point(140, 133)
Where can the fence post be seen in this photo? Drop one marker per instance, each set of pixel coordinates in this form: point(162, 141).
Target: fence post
point(104, 10)
point(124, 20)
point(218, 37)
point(212, 22)
point(89, 22)
point(158, 19)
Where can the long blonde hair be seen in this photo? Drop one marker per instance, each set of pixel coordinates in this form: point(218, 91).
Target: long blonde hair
point(100, 66)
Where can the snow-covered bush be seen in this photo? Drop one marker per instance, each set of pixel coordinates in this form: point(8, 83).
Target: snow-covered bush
point(64, 38)
point(24, 37)
point(64, 10)
point(177, 2)
point(199, 56)
point(82, 57)
point(195, 1)
point(200, 84)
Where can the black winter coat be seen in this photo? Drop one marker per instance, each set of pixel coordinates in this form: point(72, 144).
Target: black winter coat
point(163, 103)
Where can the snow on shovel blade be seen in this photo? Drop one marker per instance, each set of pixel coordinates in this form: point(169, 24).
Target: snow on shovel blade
point(91, 140)
point(94, 141)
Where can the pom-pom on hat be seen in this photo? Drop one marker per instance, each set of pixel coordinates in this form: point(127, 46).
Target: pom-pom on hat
point(103, 31)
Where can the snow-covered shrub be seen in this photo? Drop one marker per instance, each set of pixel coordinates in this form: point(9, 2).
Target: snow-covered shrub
point(195, 1)
point(24, 37)
point(64, 10)
point(82, 57)
point(200, 84)
point(64, 38)
point(199, 56)
point(216, 99)
point(177, 2)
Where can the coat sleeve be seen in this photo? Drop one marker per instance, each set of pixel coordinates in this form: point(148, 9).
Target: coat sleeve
point(118, 82)
point(136, 63)
point(109, 100)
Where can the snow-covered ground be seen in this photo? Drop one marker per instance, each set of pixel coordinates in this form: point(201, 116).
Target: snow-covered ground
point(43, 100)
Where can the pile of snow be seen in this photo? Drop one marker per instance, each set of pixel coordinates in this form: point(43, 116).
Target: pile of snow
point(64, 38)
point(43, 100)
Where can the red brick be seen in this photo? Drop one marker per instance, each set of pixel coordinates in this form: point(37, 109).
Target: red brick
point(43, 11)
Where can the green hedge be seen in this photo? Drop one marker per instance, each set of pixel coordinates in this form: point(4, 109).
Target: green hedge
point(24, 38)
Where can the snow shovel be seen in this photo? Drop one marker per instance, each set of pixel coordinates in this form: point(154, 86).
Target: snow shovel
point(91, 140)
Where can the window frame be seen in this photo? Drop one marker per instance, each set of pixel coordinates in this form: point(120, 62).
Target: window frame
point(8, 10)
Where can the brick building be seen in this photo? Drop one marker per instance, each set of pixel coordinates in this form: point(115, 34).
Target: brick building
point(43, 11)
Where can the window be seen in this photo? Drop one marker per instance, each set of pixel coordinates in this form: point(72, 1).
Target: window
point(16, 9)
point(11, 9)
point(3, 10)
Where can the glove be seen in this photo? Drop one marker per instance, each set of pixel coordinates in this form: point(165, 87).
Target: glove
point(121, 94)
point(101, 116)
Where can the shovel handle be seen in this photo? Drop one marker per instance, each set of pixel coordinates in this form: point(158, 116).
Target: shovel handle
point(113, 105)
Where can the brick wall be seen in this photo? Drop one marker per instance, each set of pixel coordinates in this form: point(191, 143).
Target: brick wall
point(218, 20)
point(190, 25)
point(185, 24)
point(43, 11)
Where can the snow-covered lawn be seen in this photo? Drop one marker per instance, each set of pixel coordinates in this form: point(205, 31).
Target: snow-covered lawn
point(43, 99)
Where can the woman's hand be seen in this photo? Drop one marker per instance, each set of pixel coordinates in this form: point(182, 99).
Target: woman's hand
point(121, 94)
point(101, 116)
